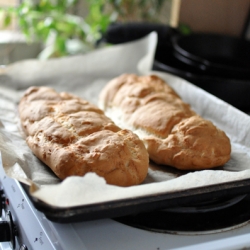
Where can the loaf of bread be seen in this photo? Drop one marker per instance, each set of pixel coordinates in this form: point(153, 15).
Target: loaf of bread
point(172, 132)
point(74, 137)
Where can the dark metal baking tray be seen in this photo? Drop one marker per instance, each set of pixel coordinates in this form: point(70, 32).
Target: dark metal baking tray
point(117, 208)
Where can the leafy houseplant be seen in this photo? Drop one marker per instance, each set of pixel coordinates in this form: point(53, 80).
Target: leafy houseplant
point(63, 31)
point(53, 23)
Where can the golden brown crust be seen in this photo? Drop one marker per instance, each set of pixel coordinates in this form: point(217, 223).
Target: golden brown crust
point(74, 137)
point(172, 132)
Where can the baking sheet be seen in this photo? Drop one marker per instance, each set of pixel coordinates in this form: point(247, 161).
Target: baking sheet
point(85, 75)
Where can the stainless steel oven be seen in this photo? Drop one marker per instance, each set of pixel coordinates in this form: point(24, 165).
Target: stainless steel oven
point(221, 224)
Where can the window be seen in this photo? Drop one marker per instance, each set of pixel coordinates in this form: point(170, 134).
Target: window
point(7, 3)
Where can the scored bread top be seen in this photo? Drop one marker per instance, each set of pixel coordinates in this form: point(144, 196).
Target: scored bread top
point(172, 132)
point(74, 137)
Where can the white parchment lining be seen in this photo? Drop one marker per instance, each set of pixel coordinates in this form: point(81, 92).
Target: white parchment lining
point(85, 75)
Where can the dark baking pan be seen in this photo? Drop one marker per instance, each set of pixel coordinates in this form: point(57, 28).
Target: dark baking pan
point(233, 90)
point(214, 53)
point(133, 206)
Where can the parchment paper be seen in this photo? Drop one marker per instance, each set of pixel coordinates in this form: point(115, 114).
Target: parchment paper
point(85, 75)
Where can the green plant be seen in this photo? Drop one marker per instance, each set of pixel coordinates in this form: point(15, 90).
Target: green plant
point(57, 25)
point(53, 23)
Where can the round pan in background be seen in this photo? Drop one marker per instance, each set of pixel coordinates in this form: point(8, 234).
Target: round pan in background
point(213, 53)
point(234, 91)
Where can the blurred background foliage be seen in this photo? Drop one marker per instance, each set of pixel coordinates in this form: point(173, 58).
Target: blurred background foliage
point(58, 25)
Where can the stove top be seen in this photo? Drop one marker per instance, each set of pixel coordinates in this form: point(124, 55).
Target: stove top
point(34, 231)
point(205, 218)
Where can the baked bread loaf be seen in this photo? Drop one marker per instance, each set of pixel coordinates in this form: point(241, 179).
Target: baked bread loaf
point(74, 137)
point(172, 132)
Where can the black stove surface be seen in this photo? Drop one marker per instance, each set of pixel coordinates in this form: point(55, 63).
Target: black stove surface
point(214, 215)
